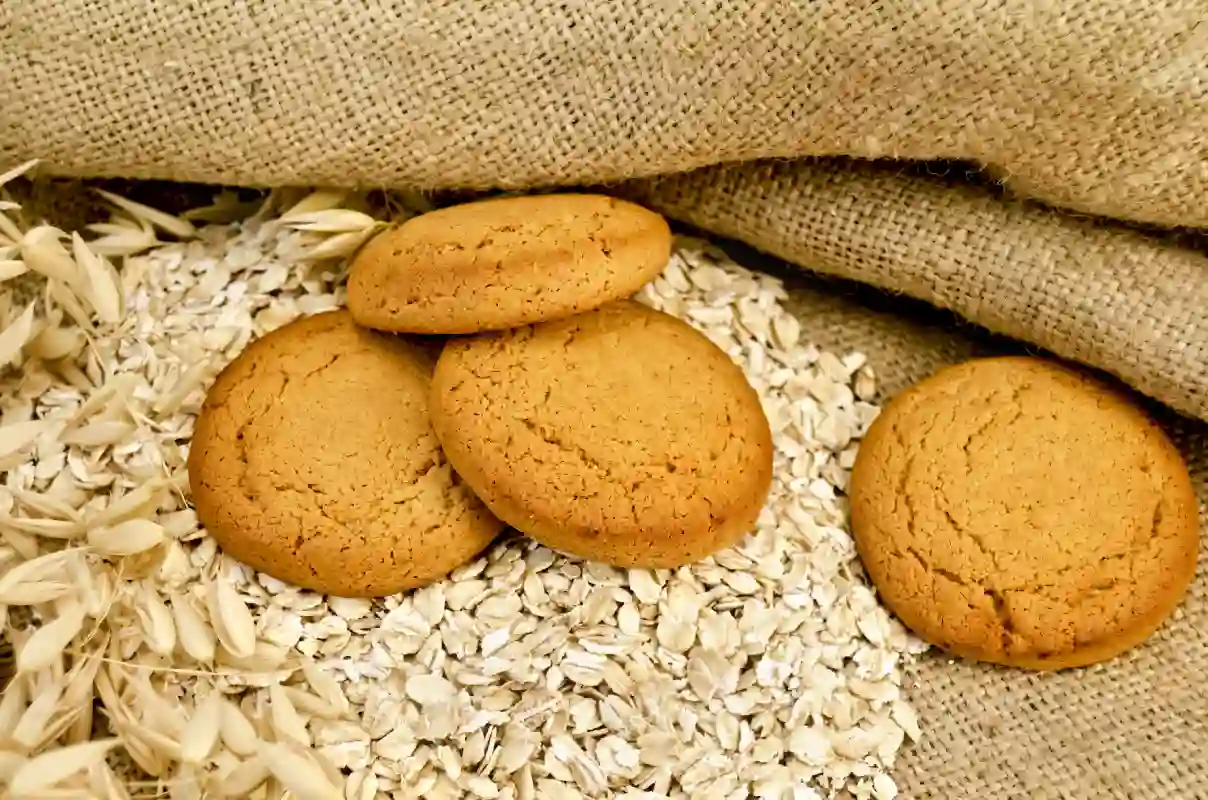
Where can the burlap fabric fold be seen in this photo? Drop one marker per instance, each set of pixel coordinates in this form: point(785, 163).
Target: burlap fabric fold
point(1097, 105)
point(1129, 303)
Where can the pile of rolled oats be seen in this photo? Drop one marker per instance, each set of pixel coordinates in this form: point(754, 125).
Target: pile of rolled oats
point(147, 664)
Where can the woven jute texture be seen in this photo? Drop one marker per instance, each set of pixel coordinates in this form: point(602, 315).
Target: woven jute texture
point(1098, 105)
point(1134, 728)
point(1132, 304)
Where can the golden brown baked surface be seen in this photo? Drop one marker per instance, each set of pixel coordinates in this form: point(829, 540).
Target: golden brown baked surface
point(314, 460)
point(621, 435)
point(1016, 511)
point(506, 262)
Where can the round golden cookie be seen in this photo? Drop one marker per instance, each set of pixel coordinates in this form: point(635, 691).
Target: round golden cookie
point(506, 262)
point(1019, 512)
point(621, 435)
point(314, 461)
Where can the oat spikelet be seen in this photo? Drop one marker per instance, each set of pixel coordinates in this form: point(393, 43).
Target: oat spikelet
point(13, 702)
point(47, 644)
point(32, 594)
point(287, 724)
point(201, 734)
point(301, 776)
point(43, 252)
point(241, 781)
point(309, 704)
point(105, 292)
point(236, 629)
point(126, 538)
point(158, 713)
point(115, 390)
point(318, 200)
point(62, 294)
point(46, 567)
point(16, 336)
point(158, 627)
point(16, 436)
point(22, 542)
point(12, 268)
point(160, 752)
point(80, 693)
point(173, 225)
point(99, 434)
point(342, 245)
point(336, 220)
point(47, 769)
point(99, 594)
point(82, 676)
point(325, 686)
point(55, 343)
point(139, 503)
point(237, 732)
point(9, 232)
point(189, 381)
point(18, 171)
point(32, 725)
point(122, 239)
point(196, 638)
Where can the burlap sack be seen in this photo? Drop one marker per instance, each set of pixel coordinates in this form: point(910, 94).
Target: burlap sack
point(1098, 105)
point(1129, 303)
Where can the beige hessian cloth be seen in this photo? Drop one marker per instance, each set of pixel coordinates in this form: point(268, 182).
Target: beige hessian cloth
point(1096, 106)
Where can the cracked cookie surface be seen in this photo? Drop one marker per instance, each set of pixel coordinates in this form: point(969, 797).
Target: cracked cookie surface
point(1016, 511)
point(314, 460)
point(622, 435)
point(506, 262)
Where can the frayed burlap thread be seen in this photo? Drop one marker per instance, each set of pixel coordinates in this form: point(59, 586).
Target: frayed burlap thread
point(1096, 105)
